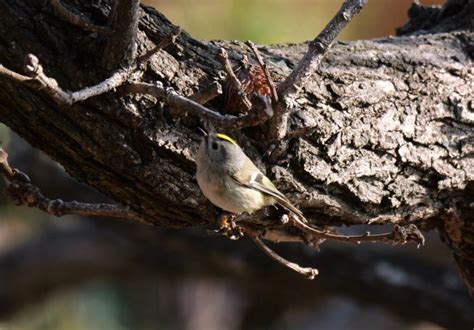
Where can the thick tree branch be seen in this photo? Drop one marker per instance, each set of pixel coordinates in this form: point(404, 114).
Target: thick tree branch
point(382, 136)
point(121, 47)
point(165, 42)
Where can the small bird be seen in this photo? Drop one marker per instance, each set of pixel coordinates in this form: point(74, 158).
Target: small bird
point(231, 181)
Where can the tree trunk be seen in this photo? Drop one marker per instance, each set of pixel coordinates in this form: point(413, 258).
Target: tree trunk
point(383, 133)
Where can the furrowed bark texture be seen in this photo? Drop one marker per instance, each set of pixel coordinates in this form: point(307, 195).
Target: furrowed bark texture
point(383, 133)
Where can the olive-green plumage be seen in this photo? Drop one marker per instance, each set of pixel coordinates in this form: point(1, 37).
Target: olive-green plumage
point(231, 181)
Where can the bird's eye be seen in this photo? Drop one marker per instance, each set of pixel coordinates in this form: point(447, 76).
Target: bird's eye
point(214, 146)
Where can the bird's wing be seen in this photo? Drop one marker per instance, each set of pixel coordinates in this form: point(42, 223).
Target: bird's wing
point(261, 183)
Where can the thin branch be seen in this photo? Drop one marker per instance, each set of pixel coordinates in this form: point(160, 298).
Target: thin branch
point(165, 42)
point(278, 125)
point(13, 75)
point(263, 65)
point(35, 74)
point(79, 19)
point(254, 118)
point(224, 59)
point(319, 46)
point(399, 234)
point(308, 272)
point(207, 94)
point(20, 189)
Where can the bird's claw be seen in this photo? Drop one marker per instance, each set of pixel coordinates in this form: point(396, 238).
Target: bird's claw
point(229, 228)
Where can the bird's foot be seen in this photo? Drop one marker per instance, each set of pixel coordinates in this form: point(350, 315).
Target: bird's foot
point(228, 227)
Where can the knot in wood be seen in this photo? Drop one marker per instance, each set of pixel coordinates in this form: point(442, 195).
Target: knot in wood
point(31, 65)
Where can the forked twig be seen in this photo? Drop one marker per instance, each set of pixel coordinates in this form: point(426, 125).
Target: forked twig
point(308, 272)
point(21, 190)
point(399, 234)
point(34, 71)
point(35, 74)
point(254, 118)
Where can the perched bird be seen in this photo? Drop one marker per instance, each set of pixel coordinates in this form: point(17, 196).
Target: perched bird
point(231, 181)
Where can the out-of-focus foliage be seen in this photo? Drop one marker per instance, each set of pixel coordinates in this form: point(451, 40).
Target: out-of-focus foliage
point(280, 21)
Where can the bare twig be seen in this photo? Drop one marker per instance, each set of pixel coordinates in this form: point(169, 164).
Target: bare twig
point(319, 46)
point(5, 168)
point(13, 75)
point(306, 66)
point(278, 124)
point(165, 42)
point(399, 234)
point(35, 73)
point(260, 115)
point(207, 94)
point(79, 19)
point(309, 273)
point(263, 65)
point(224, 59)
point(20, 189)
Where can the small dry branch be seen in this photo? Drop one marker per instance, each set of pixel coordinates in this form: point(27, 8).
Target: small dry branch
point(319, 46)
point(224, 59)
point(23, 192)
point(254, 118)
point(165, 42)
point(308, 272)
point(263, 65)
point(207, 94)
point(399, 234)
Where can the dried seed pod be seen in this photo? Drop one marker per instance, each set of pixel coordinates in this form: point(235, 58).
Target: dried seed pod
point(253, 81)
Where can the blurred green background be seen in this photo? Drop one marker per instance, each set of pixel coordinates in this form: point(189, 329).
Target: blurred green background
point(153, 302)
point(281, 21)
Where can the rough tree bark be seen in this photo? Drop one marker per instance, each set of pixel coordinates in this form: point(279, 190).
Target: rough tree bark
point(382, 133)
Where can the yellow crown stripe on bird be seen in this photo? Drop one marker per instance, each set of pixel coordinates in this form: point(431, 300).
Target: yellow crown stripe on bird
point(226, 138)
